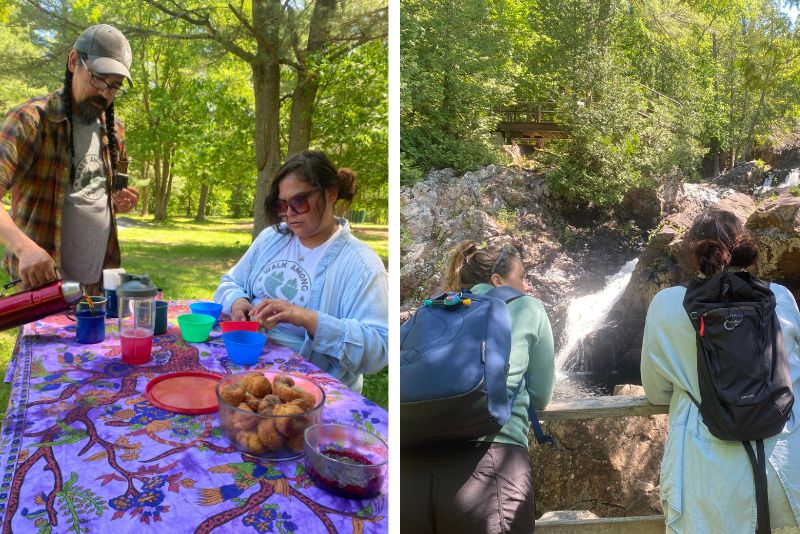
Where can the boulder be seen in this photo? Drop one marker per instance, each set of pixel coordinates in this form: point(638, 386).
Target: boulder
point(609, 466)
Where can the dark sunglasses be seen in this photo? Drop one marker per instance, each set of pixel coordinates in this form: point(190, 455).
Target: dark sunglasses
point(298, 203)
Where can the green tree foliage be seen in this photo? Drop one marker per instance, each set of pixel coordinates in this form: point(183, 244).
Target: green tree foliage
point(644, 87)
point(224, 91)
point(455, 67)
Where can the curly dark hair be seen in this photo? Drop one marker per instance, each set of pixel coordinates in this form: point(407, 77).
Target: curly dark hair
point(718, 239)
point(316, 169)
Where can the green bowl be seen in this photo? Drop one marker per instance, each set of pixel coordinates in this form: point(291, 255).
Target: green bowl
point(195, 327)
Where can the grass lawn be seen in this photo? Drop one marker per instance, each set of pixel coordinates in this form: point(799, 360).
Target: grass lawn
point(186, 259)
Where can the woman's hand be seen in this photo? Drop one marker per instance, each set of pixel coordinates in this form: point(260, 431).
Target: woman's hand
point(240, 310)
point(272, 311)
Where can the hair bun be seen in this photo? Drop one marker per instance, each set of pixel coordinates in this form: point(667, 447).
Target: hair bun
point(744, 252)
point(711, 256)
point(348, 187)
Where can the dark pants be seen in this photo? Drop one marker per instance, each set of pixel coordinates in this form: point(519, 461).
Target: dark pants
point(465, 489)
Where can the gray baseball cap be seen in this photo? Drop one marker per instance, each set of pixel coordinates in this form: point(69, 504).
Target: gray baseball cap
point(108, 50)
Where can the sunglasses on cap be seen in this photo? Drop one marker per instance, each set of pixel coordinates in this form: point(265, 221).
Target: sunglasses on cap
point(298, 203)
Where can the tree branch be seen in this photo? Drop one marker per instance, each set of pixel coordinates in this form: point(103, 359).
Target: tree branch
point(213, 34)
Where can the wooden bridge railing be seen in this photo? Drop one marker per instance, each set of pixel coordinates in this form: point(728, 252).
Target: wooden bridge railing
point(534, 112)
point(616, 406)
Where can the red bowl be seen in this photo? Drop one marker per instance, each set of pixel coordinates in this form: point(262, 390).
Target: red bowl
point(230, 326)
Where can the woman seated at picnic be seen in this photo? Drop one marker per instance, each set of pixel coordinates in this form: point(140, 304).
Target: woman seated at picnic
point(707, 484)
point(320, 290)
point(486, 485)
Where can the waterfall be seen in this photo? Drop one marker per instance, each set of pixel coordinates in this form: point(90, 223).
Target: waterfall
point(586, 313)
point(766, 186)
point(792, 179)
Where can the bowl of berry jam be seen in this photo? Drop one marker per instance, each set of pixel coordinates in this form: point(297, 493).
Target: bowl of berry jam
point(346, 460)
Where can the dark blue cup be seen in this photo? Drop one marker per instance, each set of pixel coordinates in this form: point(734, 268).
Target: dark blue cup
point(111, 307)
point(160, 325)
point(90, 328)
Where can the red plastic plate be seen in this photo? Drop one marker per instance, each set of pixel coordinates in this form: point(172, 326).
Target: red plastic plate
point(189, 392)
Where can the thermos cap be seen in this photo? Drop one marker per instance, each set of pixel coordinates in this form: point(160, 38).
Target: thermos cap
point(136, 285)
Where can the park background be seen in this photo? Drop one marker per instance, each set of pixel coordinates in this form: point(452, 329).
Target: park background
point(222, 92)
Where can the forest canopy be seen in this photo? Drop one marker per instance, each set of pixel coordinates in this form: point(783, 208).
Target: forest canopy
point(644, 87)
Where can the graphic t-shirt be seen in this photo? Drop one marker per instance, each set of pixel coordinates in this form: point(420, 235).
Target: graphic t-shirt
point(86, 221)
point(289, 276)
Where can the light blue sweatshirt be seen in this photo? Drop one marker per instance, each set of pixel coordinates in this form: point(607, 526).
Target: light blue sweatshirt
point(706, 483)
point(349, 292)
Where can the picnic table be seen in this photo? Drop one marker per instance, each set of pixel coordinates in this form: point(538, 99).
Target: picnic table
point(82, 450)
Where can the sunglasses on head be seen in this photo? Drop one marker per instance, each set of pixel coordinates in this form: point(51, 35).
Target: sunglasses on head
point(505, 252)
point(298, 203)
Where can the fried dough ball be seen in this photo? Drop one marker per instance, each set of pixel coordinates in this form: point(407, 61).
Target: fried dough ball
point(267, 404)
point(288, 393)
point(249, 441)
point(243, 421)
point(232, 394)
point(283, 379)
point(306, 402)
point(252, 401)
point(257, 385)
point(295, 443)
point(269, 435)
point(289, 426)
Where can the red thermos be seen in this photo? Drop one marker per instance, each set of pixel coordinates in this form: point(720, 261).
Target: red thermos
point(32, 304)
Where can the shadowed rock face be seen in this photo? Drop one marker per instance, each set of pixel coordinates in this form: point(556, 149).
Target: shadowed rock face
point(608, 466)
point(665, 263)
point(499, 205)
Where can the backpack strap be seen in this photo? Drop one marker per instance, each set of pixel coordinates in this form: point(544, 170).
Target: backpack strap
point(505, 293)
point(541, 437)
point(508, 294)
point(759, 465)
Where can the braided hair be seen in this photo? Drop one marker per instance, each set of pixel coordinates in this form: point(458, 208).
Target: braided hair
point(111, 131)
point(68, 107)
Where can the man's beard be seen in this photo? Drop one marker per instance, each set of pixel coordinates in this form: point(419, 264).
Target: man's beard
point(87, 110)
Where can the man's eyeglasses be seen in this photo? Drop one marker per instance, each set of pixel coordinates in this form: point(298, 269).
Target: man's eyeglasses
point(505, 252)
point(102, 85)
point(298, 203)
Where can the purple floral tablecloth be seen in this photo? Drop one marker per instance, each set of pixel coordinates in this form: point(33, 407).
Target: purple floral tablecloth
point(82, 450)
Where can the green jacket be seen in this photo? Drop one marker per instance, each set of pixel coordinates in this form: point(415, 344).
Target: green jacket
point(531, 352)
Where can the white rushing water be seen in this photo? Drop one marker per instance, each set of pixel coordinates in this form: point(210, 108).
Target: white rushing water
point(586, 313)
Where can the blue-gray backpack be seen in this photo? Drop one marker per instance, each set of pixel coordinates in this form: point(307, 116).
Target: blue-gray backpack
point(742, 368)
point(454, 362)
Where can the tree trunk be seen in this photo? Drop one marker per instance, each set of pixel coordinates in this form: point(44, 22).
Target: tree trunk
point(163, 170)
point(200, 216)
point(753, 122)
point(715, 141)
point(305, 91)
point(144, 190)
point(267, 92)
point(143, 199)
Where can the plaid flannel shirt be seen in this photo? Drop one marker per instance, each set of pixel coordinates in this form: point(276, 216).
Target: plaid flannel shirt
point(35, 163)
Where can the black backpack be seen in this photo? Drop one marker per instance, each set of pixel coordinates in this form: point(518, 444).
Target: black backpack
point(745, 387)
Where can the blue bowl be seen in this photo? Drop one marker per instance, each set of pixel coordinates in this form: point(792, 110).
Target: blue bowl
point(244, 347)
point(207, 308)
